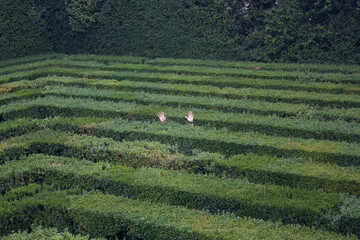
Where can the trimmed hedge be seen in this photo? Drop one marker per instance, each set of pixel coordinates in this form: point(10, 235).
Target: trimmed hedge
point(212, 71)
point(176, 78)
point(185, 146)
point(259, 169)
point(105, 215)
point(28, 59)
point(289, 172)
point(244, 105)
point(206, 139)
point(230, 143)
point(19, 126)
point(288, 96)
point(196, 70)
point(45, 233)
point(18, 192)
point(60, 106)
point(176, 188)
point(21, 94)
point(322, 68)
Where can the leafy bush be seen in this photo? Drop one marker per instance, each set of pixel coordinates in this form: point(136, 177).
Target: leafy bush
point(349, 218)
point(23, 31)
point(106, 215)
point(45, 233)
point(256, 168)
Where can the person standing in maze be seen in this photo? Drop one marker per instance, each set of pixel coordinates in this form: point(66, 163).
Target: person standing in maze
point(190, 118)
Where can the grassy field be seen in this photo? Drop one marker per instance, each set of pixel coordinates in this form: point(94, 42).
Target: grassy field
point(274, 153)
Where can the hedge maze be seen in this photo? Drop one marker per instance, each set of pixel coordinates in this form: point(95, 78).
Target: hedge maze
point(274, 153)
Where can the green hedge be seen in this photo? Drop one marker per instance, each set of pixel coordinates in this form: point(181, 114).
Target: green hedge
point(23, 31)
point(20, 61)
point(304, 128)
point(18, 192)
point(289, 31)
point(288, 96)
point(319, 68)
point(60, 106)
point(239, 197)
point(322, 68)
point(176, 78)
point(293, 172)
point(206, 139)
point(19, 126)
point(22, 94)
point(49, 211)
point(211, 71)
point(62, 60)
point(244, 105)
point(193, 70)
point(258, 169)
point(230, 143)
point(45, 233)
point(102, 215)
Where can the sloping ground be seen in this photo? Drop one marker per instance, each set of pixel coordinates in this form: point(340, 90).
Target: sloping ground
point(274, 154)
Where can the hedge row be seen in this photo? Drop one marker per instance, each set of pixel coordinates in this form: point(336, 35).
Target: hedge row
point(288, 96)
point(31, 66)
point(46, 63)
point(208, 103)
point(290, 109)
point(244, 105)
point(248, 105)
point(321, 68)
point(258, 169)
point(60, 106)
point(217, 63)
point(45, 233)
point(19, 126)
point(230, 143)
point(56, 60)
point(102, 215)
point(212, 71)
point(28, 59)
point(196, 70)
point(223, 141)
point(239, 197)
point(178, 78)
point(21, 94)
point(18, 193)
point(305, 128)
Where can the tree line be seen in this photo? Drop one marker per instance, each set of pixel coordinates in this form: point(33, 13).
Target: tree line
point(250, 30)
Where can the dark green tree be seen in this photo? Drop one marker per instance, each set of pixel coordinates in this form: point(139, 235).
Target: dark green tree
point(22, 30)
point(82, 13)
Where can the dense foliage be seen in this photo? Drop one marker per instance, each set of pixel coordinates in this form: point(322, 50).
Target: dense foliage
point(274, 153)
point(267, 30)
point(22, 30)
